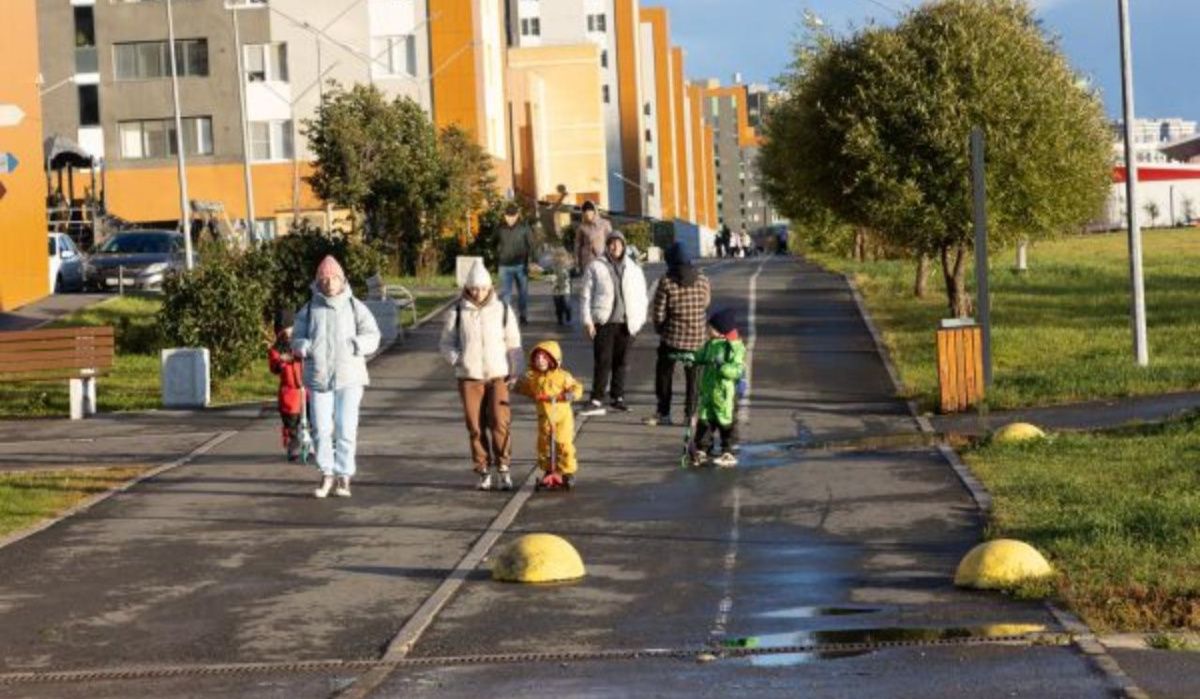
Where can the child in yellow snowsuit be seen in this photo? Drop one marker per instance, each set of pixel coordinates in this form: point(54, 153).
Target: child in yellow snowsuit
point(546, 380)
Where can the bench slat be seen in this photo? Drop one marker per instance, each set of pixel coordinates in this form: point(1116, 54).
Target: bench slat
point(23, 335)
point(56, 344)
point(46, 377)
point(71, 361)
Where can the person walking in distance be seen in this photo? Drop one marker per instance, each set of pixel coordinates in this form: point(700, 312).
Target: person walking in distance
point(334, 334)
point(613, 307)
point(482, 342)
point(591, 236)
point(679, 312)
point(515, 248)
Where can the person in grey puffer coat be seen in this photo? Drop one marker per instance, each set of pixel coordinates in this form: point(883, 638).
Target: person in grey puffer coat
point(334, 333)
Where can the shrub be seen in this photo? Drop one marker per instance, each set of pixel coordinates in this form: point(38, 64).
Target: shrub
point(288, 265)
point(639, 234)
point(219, 306)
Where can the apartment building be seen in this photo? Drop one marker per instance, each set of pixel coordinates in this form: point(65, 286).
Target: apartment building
point(1150, 136)
point(611, 26)
point(111, 67)
point(741, 203)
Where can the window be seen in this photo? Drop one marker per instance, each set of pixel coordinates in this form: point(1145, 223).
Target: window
point(646, 109)
point(531, 26)
point(649, 162)
point(604, 93)
point(604, 58)
point(266, 62)
point(155, 138)
point(89, 105)
point(144, 60)
point(650, 188)
point(86, 58)
point(396, 55)
point(597, 23)
point(649, 136)
point(271, 140)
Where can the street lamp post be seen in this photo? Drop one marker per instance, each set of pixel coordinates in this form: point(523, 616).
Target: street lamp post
point(185, 216)
point(1141, 348)
point(247, 175)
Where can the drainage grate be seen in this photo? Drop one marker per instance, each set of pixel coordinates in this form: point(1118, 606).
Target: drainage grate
point(715, 652)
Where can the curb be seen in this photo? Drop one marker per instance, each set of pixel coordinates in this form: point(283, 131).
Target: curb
point(1083, 636)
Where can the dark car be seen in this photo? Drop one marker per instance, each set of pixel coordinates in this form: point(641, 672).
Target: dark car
point(136, 259)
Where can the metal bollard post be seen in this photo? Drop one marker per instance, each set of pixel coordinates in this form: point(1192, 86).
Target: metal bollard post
point(120, 280)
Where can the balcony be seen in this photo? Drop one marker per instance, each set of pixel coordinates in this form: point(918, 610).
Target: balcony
point(87, 60)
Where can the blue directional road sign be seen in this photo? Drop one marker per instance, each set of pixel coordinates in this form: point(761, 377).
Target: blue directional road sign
point(8, 163)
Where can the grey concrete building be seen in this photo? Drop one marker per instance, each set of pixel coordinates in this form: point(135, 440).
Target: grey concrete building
point(741, 204)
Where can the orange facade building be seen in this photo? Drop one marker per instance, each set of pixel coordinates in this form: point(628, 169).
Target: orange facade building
point(24, 273)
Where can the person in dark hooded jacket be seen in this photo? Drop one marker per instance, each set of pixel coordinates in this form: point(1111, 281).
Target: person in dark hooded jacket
point(680, 315)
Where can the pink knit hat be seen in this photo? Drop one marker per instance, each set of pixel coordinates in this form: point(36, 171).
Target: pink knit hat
point(329, 267)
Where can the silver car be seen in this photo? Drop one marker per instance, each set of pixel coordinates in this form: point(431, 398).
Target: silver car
point(66, 264)
point(135, 259)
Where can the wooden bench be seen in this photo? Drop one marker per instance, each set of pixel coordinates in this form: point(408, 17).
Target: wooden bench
point(76, 354)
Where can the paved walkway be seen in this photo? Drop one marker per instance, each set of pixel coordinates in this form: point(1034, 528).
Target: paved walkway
point(1094, 415)
point(173, 587)
point(47, 309)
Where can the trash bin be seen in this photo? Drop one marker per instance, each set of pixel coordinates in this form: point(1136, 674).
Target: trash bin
point(960, 364)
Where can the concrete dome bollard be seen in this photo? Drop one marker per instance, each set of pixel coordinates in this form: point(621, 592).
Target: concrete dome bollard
point(999, 564)
point(1017, 432)
point(538, 558)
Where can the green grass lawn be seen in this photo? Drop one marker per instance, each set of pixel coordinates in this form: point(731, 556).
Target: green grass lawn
point(437, 281)
point(28, 498)
point(1061, 330)
point(1117, 513)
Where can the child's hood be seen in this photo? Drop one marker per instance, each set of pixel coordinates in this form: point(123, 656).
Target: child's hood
point(551, 348)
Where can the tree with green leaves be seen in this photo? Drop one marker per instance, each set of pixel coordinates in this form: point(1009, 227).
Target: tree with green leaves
point(380, 158)
point(876, 128)
point(467, 183)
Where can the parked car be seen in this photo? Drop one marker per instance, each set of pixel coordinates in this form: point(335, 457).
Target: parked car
point(66, 264)
point(137, 259)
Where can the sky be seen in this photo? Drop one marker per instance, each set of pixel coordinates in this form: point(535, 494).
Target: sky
point(753, 37)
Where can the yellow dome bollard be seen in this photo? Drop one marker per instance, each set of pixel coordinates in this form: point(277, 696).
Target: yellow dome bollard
point(1000, 563)
point(1017, 432)
point(538, 558)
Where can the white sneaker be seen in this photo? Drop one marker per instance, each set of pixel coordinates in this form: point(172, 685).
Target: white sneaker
point(342, 489)
point(505, 480)
point(485, 480)
point(326, 486)
point(726, 460)
point(593, 407)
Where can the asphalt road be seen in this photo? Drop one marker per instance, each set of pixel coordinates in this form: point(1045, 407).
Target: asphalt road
point(229, 560)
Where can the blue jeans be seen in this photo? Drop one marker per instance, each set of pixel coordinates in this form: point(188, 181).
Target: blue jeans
point(335, 420)
point(509, 273)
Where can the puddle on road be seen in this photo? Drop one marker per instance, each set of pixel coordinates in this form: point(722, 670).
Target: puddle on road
point(791, 452)
point(814, 612)
point(865, 636)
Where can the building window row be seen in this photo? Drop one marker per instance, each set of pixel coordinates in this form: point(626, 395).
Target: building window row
point(144, 60)
point(597, 23)
point(271, 140)
point(266, 62)
point(531, 26)
point(155, 138)
point(396, 55)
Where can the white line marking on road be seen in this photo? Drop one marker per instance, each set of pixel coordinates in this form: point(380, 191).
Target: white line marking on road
point(743, 416)
point(729, 563)
point(92, 502)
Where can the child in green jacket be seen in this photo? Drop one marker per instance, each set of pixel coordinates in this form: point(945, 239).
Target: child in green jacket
point(723, 362)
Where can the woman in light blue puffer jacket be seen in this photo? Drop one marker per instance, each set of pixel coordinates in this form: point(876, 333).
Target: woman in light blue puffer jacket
point(334, 333)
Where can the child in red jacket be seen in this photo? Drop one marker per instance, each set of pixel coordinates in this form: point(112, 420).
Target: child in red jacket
point(290, 370)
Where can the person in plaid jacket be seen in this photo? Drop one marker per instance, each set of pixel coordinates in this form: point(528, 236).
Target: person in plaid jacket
point(680, 315)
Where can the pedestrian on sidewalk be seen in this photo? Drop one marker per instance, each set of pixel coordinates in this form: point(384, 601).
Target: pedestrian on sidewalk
point(290, 370)
point(335, 333)
point(679, 312)
point(482, 341)
point(553, 388)
point(515, 247)
point(723, 359)
point(561, 266)
point(591, 235)
point(613, 308)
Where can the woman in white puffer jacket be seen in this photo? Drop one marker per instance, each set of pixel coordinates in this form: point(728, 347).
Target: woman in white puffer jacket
point(482, 341)
point(334, 333)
